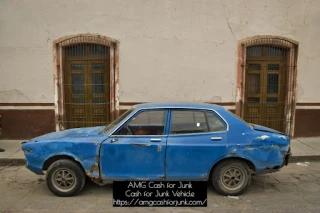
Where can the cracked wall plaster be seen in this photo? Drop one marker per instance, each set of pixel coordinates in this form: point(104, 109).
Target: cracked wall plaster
point(169, 49)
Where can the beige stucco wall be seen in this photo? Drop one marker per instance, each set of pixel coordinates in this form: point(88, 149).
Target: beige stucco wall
point(179, 50)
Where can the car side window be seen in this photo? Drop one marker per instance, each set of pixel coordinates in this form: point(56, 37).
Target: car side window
point(193, 121)
point(188, 121)
point(214, 123)
point(145, 123)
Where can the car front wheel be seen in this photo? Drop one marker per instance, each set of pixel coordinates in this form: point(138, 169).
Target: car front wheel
point(231, 177)
point(65, 178)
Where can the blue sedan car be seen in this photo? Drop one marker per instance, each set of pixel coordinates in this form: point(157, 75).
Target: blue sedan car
point(161, 141)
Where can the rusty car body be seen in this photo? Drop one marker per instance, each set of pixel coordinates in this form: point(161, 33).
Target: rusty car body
point(160, 141)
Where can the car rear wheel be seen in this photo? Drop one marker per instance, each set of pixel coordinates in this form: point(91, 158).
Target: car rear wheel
point(65, 178)
point(231, 177)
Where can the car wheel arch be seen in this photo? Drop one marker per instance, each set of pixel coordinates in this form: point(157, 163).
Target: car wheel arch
point(248, 162)
point(47, 163)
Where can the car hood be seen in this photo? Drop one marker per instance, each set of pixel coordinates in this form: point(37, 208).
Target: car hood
point(71, 133)
point(265, 129)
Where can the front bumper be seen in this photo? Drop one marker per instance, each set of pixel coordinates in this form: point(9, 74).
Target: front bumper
point(34, 169)
point(34, 163)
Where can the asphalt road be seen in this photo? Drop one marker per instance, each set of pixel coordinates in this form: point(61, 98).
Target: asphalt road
point(296, 188)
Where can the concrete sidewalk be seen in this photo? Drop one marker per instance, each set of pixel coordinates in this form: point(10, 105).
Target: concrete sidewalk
point(303, 149)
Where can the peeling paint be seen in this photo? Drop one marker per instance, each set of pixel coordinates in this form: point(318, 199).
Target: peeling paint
point(238, 95)
point(94, 168)
point(263, 137)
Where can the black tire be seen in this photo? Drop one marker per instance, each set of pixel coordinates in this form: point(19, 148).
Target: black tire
point(226, 177)
point(65, 178)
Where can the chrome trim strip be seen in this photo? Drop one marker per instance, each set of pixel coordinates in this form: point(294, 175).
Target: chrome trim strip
point(142, 136)
point(201, 133)
point(155, 139)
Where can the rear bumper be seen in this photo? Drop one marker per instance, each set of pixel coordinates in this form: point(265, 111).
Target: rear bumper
point(285, 162)
point(287, 157)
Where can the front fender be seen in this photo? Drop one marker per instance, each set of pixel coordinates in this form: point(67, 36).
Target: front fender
point(86, 153)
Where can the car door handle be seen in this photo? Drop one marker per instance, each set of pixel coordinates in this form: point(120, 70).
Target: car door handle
point(140, 144)
point(155, 139)
point(216, 138)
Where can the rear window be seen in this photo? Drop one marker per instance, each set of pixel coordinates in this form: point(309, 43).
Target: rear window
point(194, 121)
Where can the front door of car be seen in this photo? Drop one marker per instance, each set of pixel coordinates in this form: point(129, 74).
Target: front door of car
point(196, 141)
point(137, 149)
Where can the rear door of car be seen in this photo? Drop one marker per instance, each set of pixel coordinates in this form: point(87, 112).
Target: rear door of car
point(197, 139)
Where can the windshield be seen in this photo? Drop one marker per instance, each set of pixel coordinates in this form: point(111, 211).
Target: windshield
point(118, 120)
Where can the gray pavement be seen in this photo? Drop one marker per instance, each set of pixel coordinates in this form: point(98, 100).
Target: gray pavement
point(296, 188)
point(12, 149)
point(303, 149)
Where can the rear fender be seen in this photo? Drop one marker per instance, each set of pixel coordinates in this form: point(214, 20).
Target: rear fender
point(266, 151)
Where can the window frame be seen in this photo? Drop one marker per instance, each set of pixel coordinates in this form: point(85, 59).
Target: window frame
point(166, 114)
point(59, 73)
point(200, 110)
point(121, 118)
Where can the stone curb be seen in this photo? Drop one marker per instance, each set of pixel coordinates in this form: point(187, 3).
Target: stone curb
point(308, 158)
point(12, 161)
point(22, 161)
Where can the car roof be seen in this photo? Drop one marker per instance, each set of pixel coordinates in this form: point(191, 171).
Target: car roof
point(189, 105)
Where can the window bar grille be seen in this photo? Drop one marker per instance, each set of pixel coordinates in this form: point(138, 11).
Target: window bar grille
point(266, 83)
point(86, 82)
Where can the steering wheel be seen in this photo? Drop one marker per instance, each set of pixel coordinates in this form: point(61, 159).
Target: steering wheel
point(129, 130)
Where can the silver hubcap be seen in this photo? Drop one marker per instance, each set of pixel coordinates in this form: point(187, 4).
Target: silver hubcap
point(64, 179)
point(232, 178)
